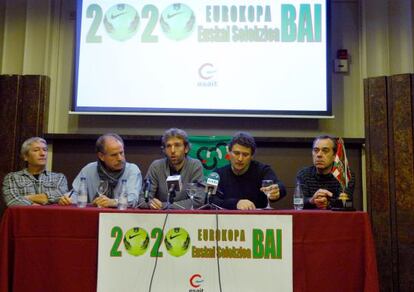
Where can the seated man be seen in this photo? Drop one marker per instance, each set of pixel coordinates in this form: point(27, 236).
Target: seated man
point(240, 185)
point(34, 185)
point(317, 181)
point(175, 146)
point(111, 167)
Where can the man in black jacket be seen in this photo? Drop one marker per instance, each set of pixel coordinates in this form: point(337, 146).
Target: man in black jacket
point(240, 185)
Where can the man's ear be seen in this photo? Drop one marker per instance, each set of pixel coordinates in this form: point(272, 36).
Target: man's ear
point(100, 156)
point(186, 149)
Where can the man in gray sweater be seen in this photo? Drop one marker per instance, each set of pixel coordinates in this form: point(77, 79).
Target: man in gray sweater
point(175, 146)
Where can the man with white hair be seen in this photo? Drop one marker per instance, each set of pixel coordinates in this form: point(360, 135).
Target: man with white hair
point(112, 167)
point(34, 185)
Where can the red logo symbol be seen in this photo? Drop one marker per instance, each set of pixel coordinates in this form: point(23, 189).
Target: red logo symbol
point(196, 280)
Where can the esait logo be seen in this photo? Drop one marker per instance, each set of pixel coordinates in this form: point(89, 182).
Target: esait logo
point(196, 281)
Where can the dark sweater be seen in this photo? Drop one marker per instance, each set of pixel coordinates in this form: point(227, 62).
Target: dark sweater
point(233, 188)
point(312, 181)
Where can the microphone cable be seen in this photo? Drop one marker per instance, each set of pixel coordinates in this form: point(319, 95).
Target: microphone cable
point(217, 254)
point(156, 258)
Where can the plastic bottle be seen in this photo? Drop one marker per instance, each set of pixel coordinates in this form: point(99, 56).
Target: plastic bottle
point(83, 193)
point(298, 197)
point(123, 197)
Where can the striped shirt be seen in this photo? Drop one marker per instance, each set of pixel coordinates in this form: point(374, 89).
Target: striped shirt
point(18, 184)
point(311, 181)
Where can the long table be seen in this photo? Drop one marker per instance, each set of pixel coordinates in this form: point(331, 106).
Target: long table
point(54, 248)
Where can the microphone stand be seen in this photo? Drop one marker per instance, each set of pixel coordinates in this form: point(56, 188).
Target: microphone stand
point(207, 204)
point(170, 201)
point(147, 187)
point(146, 200)
point(171, 196)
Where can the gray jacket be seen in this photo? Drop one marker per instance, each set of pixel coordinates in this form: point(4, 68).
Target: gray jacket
point(158, 172)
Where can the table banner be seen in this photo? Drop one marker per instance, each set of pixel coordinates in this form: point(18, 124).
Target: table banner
point(138, 253)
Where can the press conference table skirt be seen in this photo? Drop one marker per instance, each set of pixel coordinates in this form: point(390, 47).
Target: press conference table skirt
point(54, 248)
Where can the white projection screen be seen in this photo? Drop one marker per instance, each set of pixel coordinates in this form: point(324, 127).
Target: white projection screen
point(203, 58)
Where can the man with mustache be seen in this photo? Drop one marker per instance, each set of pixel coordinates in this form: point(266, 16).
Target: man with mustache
point(34, 185)
point(112, 167)
point(317, 181)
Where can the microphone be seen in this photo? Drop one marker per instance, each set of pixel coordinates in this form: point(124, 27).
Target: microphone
point(212, 183)
point(147, 189)
point(174, 183)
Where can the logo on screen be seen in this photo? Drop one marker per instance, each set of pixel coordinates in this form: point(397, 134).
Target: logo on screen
point(207, 74)
point(196, 280)
point(121, 22)
point(206, 71)
point(177, 21)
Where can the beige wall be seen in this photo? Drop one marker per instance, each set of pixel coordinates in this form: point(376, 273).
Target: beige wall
point(37, 37)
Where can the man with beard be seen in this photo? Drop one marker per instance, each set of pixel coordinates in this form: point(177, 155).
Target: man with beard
point(111, 167)
point(317, 181)
point(175, 146)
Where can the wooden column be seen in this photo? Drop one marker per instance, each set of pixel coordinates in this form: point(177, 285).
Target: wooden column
point(400, 112)
point(390, 162)
point(23, 114)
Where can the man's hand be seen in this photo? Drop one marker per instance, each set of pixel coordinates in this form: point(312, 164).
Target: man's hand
point(104, 201)
point(65, 200)
point(40, 199)
point(321, 198)
point(245, 205)
point(273, 191)
point(155, 204)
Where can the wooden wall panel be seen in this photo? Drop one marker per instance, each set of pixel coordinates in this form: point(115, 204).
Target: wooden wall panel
point(389, 124)
point(400, 104)
point(23, 114)
point(9, 119)
point(33, 107)
point(378, 183)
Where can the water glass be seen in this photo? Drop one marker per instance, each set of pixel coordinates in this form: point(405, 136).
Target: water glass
point(267, 183)
point(191, 190)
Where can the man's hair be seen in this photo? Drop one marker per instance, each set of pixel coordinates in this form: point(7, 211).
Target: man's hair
point(100, 143)
point(177, 133)
point(26, 145)
point(244, 139)
point(332, 138)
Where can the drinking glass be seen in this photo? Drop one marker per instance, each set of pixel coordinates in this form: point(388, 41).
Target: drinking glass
point(267, 183)
point(102, 188)
point(191, 192)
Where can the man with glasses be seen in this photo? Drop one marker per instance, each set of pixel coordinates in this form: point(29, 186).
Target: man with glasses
point(240, 185)
point(175, 146)
point(112, 167)
point(317, 181)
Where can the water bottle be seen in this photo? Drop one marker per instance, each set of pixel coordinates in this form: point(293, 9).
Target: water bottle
point(298, 197)
point(83, 193)
point(123, 197)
